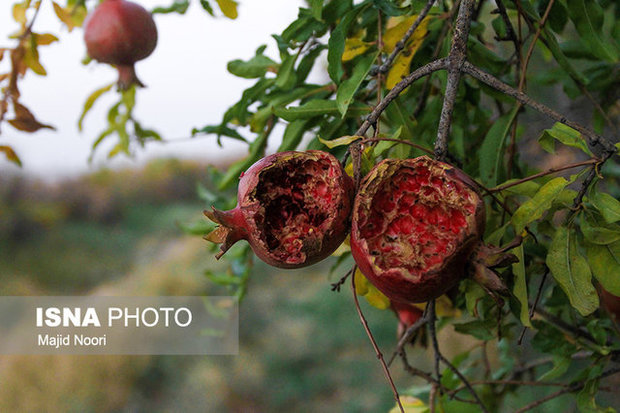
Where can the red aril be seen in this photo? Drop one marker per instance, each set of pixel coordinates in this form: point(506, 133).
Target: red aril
point(415, 225)
point(292, 207)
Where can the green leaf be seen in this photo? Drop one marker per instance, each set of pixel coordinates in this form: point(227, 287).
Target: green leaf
point(337, 41)
point(520, 286)
point(90, 101)
point(293, 134)
point(316, 107)
point(254, 68)
point(480, 329)
point(286, 78)
point(347, 89)
point(317, 8)
point(604, 262)
point(219, 130)
point(228, 7)
point(528, 188)
point(608, 206)
point(534, 208)
point(566, 135)
point(197, 228)
point(342, 141)
point(588, 19)
point(571, 271)
point(599, 235)
point(207, 7)
point(491, 152)
point(553, 46)
point(561, 364)
point(10, 154)
point(178, 6)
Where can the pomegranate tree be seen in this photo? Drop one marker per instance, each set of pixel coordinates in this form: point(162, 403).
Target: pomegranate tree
point(415, 225)
point(292, 207)
point(120, 33)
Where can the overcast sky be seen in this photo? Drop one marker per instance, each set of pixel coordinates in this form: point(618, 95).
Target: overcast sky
point(187, 86)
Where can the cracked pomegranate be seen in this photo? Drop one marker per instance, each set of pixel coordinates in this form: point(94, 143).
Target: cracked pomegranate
point(120, 33)
point(292, 207)
point(415, 224)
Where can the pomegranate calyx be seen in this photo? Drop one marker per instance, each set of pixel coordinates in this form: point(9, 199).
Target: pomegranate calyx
point(227, 233)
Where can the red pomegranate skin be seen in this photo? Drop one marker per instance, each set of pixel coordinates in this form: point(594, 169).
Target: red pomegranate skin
point(292, 207)
point(611, 303)
point(415, 224)
point(407, 314)
point(120, 33)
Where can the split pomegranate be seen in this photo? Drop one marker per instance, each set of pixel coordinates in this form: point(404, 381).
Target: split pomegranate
point(415, 225)
point(292, 207)
point(120, 33)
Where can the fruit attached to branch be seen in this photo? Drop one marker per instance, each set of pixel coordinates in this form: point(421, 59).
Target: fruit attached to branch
point(120, 33)
point(292, 207)
point(417, 227)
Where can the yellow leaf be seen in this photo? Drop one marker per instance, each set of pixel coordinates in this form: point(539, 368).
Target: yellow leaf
point(19, 12)
point(31, 59)
point(10, 154)
point(371, 294)
point(443, 307)
point(44, 39)
point(396, 29)
point(410, 405)
point(361, 283)
point(71, 17)
point(343, 140)
point(229, 8)
point(354, 47)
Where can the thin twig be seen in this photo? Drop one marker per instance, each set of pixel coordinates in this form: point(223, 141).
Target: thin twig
point(533, 309)
point(439, 357)
point(386, 370)
point(336, 286)
point(407, 336)
point(425, 70)
point(593, 139)
point(549, 171)
point(510, 31)
point(400, 45)
point(558, 322)
point(422, 148)
point(456, 59)
point(530, 50)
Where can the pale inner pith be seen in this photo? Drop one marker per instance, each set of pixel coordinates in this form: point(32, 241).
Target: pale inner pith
point(416, 218)
point(298, 204)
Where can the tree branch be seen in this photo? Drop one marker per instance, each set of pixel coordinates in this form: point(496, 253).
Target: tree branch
point(592, 138)
point(544, 173)
point(402, 42)
point(397, 90)
point(456, 59)
point(386, 370)
point(572, 388)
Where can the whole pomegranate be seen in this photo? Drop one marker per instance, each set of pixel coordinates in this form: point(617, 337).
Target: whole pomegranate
point(292, 207)
point(120, 33)
point(415, 225)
